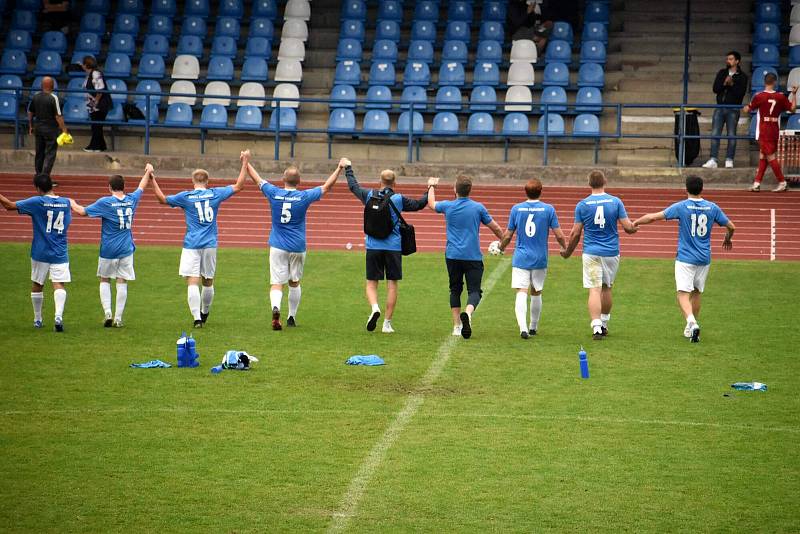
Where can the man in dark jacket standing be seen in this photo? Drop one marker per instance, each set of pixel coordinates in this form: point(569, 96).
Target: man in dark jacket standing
point(730, 86)
point(45, 120)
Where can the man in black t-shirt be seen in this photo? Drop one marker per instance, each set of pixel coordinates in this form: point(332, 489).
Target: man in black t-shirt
point(45, 120)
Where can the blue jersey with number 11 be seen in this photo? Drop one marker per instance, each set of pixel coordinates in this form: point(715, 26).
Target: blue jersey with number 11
point(532, 221)
point(288, 208)
point(51, 217)
point(599, 214)
point(200, 208)
point(695, 219)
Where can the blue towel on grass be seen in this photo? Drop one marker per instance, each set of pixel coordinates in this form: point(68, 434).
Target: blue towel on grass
point(370, 359)
point(151, 364)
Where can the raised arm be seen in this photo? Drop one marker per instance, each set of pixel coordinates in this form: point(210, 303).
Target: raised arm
point(243, 172)
point(409, 204)
point(727, 243)
point(355, 188)
point(7, 204)
point(495, 228)
point(574, 237)
point(77, 208)
point(793, 98)
point(650, 218)
point(149, 172)
point(159, 194)
point(628, 226)
point(432, 193)
point(329, 183)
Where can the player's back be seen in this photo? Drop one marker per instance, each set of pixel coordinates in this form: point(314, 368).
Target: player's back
point(200, 208)
point(600, 214)
point(770, 104)
point(532, 221)
point(696, 218)
point(116, 238)
point(288, 208)
point(51, 217)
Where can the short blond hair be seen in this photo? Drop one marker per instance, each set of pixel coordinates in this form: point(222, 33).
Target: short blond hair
point(388, 177)
point(200, 176)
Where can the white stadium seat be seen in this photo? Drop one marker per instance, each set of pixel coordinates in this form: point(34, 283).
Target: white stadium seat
point(289, 70)
point(292, 49)
point(185, 68)
point(520, 74)
point(523, 50)
point(297, 9)
point(295, 29)
point(286, 90)
point(182, 86)
point(518, 93)
point(217, 93)
point(252, 89)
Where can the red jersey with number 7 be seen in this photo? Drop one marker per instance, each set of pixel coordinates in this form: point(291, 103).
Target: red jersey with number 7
point(769, 105)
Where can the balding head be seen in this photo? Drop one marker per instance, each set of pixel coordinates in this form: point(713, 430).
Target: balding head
point(48, 84)
point(291, 176)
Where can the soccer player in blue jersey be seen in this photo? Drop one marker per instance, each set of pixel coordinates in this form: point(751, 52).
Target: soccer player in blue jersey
point(116, 241)
point(463, 217)
point(597, 217)
point(532, 221)
point(199, 255)
point(50, 215)
point(287, 238)
point(696, 218)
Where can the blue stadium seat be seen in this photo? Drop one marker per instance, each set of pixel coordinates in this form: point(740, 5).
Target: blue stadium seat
point(87, 44)
point(258, 47)
point(793, 122)
point(118, 89)
point(122, 43)
point(591, 75)
point(420, 51)
point(47, 64)
point(563, 30)
point(74, 110)
point(265, 8)
point(13, 62)
point(342, 120)
point(767, 33)
point(224, 46)
point(480, 123)
point(384, 50)
point(151, 66)
point(197, 8)
point(768, 12)
point(448, 99)
point(342, 96)
point(190, 45)
point(489, 51)
point(494, 11)
point(423, 30)
point(348, 49)
point(354, 9)
point(416, 95)
point(116, 113)
point(586, 125)
point(75, 84)
point(130, 7)
point(595, 31)
point(353, 29)
point(596, 12)
point(382, 73)
point(214, 116)
point(556, 98)
point(376, 121)
point(29, 5)
point(556, 74)
point(153, 119)
point(248, 118)
point(405, 121)
point(160, 25)
point(387, 29)
point(164, 7)
point(491, 31)
point(126, 23)
point(148, 86)
point(457, 31)
point(426, 10)
point(93, 23)
point(261, 27)
point(97, 6)
point(194, 26)
point(8, 107)
point(794, 56)
point(220, 68)
point(178, 114)
point(156, 44)
point(227, 27)
point(486, 74)
point(118, 66)
point(445, 123)
point(555, 125)
point(19, 40)
point(23, 20)
point(483, 98)
point(390, 10)
point(54, 41)
point(455, 51)
point(766, 55)
point(288, 120)
point(459, 10)
point(593, 52)
point(516, 124)
point(757, 83)
point(589, 100)
point(9, 82)
point(558, 52)
point(347, 73)
point(452, 74)
point(379, 97)
point(231, 8)
point(254, 69)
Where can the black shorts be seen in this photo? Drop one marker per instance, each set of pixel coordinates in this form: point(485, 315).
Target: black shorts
point(386, 264)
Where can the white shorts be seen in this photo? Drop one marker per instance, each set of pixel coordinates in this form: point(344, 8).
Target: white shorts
point(526, 278)
point(59, 272)
point(285, 267)
point(116, 268)
point(198, 262)
point(599, 271)
point(689, 277)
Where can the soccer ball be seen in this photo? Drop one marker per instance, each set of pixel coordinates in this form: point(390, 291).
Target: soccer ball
point(494, 248)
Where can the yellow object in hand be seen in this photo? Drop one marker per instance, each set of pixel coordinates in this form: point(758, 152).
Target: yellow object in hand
point(64, 139)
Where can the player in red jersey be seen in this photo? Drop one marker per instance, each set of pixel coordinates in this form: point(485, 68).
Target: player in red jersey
point(770, 104)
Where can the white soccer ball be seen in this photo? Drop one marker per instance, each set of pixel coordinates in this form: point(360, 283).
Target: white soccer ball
point(494, 248)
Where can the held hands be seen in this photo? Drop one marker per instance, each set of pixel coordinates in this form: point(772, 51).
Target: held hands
point(433, 182)
point(148, 169)
point(344, 162)
point(564, 253)
point(244, 156)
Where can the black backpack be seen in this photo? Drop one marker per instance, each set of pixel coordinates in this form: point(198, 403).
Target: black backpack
point(378, 221)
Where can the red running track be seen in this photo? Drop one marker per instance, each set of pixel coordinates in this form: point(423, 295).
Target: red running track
point(244, 220)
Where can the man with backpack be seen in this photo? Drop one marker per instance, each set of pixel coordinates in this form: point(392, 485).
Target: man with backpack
point(384, 259)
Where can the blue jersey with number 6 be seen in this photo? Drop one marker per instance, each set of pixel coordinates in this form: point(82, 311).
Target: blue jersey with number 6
point(51, 217)
point(599, 214)
point(532, 220)
point(200, 209)
point(695, 219)
point(288, 208)
point(116, 238)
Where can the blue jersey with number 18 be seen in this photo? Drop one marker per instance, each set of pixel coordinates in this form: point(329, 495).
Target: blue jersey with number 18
point(599, 214)
point(288, 208)
point(51, 217)
point(532, 220)
point(200, 209)
point(695, 219)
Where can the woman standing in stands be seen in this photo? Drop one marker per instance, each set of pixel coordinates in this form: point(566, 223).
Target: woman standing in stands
point(98, 100)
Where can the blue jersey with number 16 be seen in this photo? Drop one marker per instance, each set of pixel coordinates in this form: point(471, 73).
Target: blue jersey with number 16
point(695, 219)
point(532, 221)
point(599, 214)
point(200, 208)
point(51, 217)
point(288, 208)
point(116, 239)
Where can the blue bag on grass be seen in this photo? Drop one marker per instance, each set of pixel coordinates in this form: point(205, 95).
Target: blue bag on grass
point(370, 359)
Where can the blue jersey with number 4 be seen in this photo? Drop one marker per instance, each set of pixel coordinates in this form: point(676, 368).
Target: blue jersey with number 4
point(51, 217)
point(532, 220)
point(200, 208)
point(116, 238)
point(288, 208)
point(599, 214)
point(695, 219)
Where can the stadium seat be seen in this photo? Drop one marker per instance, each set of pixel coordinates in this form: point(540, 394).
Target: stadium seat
point(480, 123)
point(258, 47)
point(116, 113)
point(486, 74)
point(757, 83)
point(265, 8)
point(156, 44)
point(766, 55)
point(225, 46)
point(122, 43)
point(591, 75)
point(47, 64)
point(596, 12)
point(160, 25)
point(382, 73)
point(194, 26)
point(593, 52)
point(483, 98)
point(426, 10)
point(126, 23)
point(87, 44)
point(457, 31)
point(767, 33)
point(390, 10)
point(97, 6)
point(178, 114)
point(130, 7)
point(555, 125)
point(595, 31)
point(376, 121)
point(231, 8)
point(289, 95)
point(185, 67)
point(459, 10)
point(118, 66)
point(74, 110)
point(354, 29)
point(384, 51)
point(420, 51)
point(387, 29)
point(252, 90)
point(149, 86)
point(214, 116)
point(255, 69)
point(793, 122)
point(555, 98)
point(151, 66)
point(494, 11)
point(562, 30)
point(523, 51)
point(768, 12)
point(379, 97)
point(9, 82)
point(347, 73)
point(558, 52)
point(342, 121)
point(23, 20)
point(423, 30)
point(556, 74)
point(404, 122)
point(261, 27)
point(452, 74)
point(93, 23)
point(343, 96)
point(794, 36)
point(516, 124)
point(445, 123)
point(586, 125)
point(217, 93)
point(227, 27)
point(220, 68)
point(348, 49)
point(182, 87)
point(54, 42)
point(291, 49)
point(295, 29)
point(19, 40)
point(354, 10)
point(520, 74)
point(13, 62)
point(288, 120)
point(520, 97)
point(448, 99)
point(489, 51)
point(168, 8)
point(190, 45)
point(289, 70)
point(197, 8)
point(491, 31)
point(589, 100)
point(416, 95)
point(248, 118)
point(454, 51)
point(794, 56)
point(792, 79)
point(794, 15)
point(118, 89)
point(298, 9)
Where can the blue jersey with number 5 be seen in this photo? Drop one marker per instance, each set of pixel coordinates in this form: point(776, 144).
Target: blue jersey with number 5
point(288, 208)
point(599, 214)
point(532, 220)
point(200, 208)
point(695, 218)
point(51, 217)
point(116, 238)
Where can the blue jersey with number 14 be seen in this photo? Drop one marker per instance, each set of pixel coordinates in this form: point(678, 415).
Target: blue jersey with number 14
point(695, 219)
point(51, 217)
point(599, 214)
point(288, 208)
point(200, 208)
point(116, 239)
point(532, 221)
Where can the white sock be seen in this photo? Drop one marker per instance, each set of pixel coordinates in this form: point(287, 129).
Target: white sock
point(605, 317)
point(60, 296)
point(536, 311)
point(691, 319)
point(521, 310)
point(122, 298)
point(207, 297)
point(194, 301)
point(105, 297)
point(294, 300)
point(37, 299)
point(597, 324)
point(275, 297)
point(376, 308)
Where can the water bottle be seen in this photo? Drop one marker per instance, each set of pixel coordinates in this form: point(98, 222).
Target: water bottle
point(191, 351)
point(584, 363)
point(182, 354)
point(216, 369)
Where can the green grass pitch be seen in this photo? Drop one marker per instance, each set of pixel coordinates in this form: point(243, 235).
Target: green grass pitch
point(508, 438)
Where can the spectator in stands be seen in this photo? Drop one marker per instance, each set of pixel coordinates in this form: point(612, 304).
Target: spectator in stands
point(98, 100)
point(533, 19)
point(522, 19)
point(730, 86)
point(56, 15)
point(45, 120)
